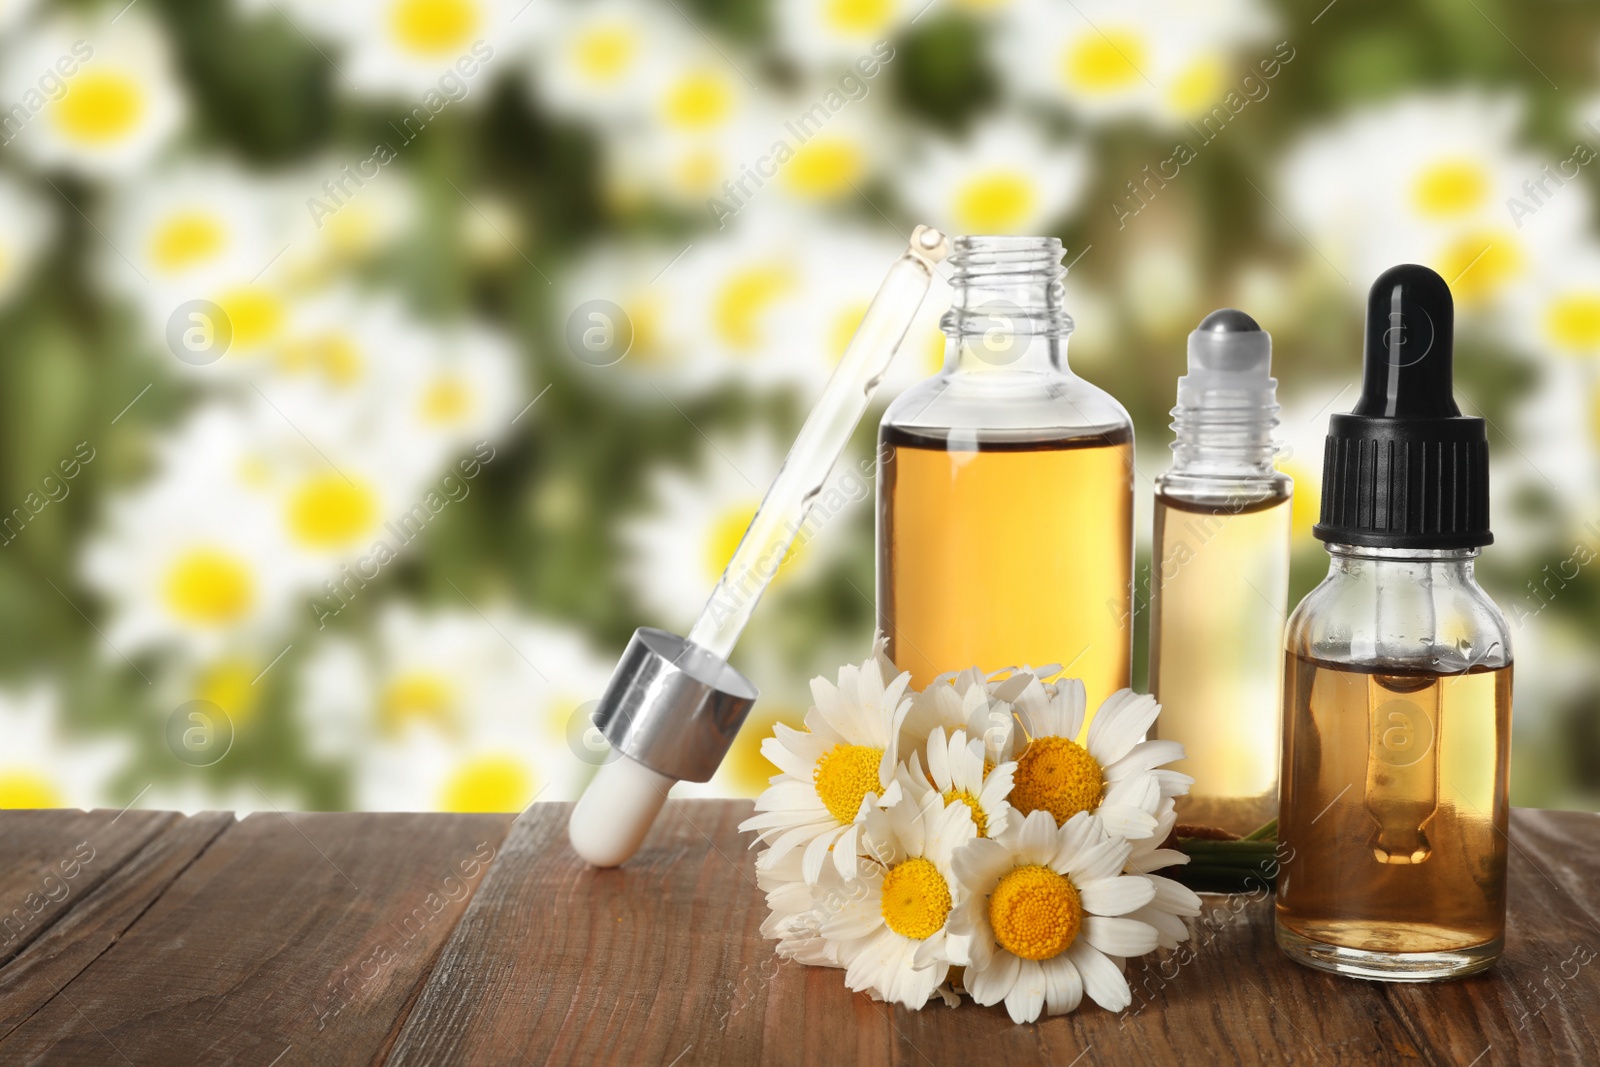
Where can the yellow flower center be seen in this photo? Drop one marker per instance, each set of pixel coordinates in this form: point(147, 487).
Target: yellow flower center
point(995, 203)
point(1200, 86)
point(916, 899)
point(605, 52)
point(824, 167)
point(1453, 187)
point(488, 783)
point(745, 298)
point(1573, 321)
point(185, 240)
point(433, 27)
point(447, 399)
point(328, 511)
point(100, 107)
point(857, 16)
point(255, 314)
point(979, 819)
point(1035, 912)
point(416, 696)
point(229, 684)
point(1104, 62)
point(26, 789)
point(209, 587)
point(700, 99)
point(844, 776)
point(1059, 776)
point(1478, 265)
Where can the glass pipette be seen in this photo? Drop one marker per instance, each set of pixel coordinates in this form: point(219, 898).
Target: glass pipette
point(674, 705)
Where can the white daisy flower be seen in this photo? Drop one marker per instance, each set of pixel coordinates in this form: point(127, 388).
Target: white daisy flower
point(1113, 773)
point(678, 550)
point(1004, 179)
point(1173, 901)
point(344, 212)
point(436, 52)
point(602, 61)
point(1560, 311)
point(42, 767)
point(445, 711)
point(796, 909)
point(194, 557)
point(1435, 176)
point(959, 774)
point(837, 33)
point(27, 223)
point(848, 750)
point(1166, 61)
point(122, 104)
point(892, 939)
point(1045, 914)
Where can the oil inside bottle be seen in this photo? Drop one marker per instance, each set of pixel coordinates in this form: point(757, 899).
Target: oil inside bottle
point(1393, 811)
point(1222, 577)
point(997, 551)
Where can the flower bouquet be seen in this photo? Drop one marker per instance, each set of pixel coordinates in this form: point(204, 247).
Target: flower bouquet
point(963, 839)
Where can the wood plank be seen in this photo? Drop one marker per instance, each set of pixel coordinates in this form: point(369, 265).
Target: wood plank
point(30, 980)
point(558, 962)
point(54, 858)
point(555, 962)
point(1538, 1003)
point(300, 936)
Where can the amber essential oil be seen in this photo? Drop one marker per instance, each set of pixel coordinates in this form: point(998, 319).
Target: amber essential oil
point(997, 551)
point(1395, 802)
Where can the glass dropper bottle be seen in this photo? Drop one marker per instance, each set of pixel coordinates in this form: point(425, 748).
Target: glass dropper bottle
point(1397, 687)
point(1221, 581)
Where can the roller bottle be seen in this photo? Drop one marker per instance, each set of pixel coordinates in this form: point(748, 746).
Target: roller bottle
point(1220, 579)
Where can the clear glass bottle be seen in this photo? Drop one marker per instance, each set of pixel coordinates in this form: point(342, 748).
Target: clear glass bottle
point(1221, 578)
point(1397, 684)
point(1005, 489)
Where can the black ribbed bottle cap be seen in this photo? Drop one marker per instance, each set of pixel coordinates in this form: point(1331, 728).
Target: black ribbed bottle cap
point(1405, 469)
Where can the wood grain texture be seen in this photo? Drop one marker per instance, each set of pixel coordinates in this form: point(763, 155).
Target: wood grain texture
point(291, 939)
point(51, 859)
point(335, 939)
point(103, 915)
point(661, 961)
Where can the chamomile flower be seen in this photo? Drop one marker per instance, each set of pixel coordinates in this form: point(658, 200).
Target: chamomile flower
point(433, 51)
point(847, 751)
point(1560, 312)
point(959, 773)
point(186, 232)
point(679, 549)
point(348, 212)
point(1165, 61)
point(796, 909)
point(1435, 176)
point(1044, 915)
point(892, 939)
point(194, 558)
point(1173, 901)
point(41, 767)
point(26, 225)
point(120, 107)
point(450, 711)
point(650, 345)
point(601, 61)
point(1004, 179)
point(837, 33)
point(1113, 774)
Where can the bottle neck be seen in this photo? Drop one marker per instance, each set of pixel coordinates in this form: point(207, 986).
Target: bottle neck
point(1006, 314)
point(1435, 566)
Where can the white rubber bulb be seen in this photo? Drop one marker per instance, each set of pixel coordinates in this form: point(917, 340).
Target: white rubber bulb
point(611, 819)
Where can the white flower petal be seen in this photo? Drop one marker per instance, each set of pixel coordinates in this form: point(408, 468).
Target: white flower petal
point(1102, 979)
point(1119, 936)
point(1063, 989)
point(990, 985)
point(1121, 723)
point(1026, 999)
point(1116, 896)
point(1145, 756)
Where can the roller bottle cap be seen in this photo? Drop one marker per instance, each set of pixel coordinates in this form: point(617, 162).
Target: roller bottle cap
point(1230, 365)
point(1405, 469)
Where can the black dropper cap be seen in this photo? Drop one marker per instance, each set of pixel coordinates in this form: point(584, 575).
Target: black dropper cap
point(1405, 469)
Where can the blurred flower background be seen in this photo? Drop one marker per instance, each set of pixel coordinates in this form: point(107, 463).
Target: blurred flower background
point(370, 369)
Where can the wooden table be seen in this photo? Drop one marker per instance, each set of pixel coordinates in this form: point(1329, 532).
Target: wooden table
point(150, 938)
